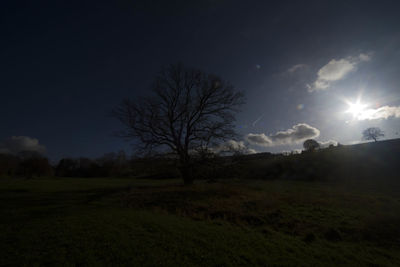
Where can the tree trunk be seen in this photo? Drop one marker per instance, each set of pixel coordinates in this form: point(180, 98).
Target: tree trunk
point(187, 174)
point(185, 168)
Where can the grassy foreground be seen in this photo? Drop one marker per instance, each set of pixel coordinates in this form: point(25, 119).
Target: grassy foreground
point(95, 222)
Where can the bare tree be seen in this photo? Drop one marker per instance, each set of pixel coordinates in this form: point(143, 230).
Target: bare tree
point(310, 145)
point(372, 133)
point(187, 111)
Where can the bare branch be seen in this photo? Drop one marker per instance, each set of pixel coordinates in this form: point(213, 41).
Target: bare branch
point(188, 110)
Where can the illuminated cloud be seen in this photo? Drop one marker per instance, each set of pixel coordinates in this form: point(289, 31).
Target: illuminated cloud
point(17, 144)
point(298, 133)
point(336, 70)
point(379, 113)
point(259, 139)
point(234, 146)
point(324, 144)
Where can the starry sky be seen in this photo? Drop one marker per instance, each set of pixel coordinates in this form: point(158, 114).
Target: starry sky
point(310, 69)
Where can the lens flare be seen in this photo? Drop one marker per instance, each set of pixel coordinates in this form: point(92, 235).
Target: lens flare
point(356, 109)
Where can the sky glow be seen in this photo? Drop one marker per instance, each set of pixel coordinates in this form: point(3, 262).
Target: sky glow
point(300, 64)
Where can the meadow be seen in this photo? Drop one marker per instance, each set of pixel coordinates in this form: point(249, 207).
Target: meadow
point(137, 222)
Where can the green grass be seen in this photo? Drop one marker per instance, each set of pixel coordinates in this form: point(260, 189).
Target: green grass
point(95, 222)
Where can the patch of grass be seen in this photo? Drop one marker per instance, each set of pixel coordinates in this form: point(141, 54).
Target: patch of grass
point(295, 208)
point(103, 222)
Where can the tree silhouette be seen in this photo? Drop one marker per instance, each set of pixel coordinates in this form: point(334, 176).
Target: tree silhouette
point(310, 145)
point(187, 111)
point(372, 133)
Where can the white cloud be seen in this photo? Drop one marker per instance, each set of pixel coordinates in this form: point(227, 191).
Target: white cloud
point(324, 144)
point(250, 151)
point(232, 146)
point(16, 144)
point(296, 68)
point(336, 70)
point(259, 139)
point(296, 134)
point(379, 113)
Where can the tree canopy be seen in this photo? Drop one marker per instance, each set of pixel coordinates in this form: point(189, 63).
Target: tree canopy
point(310, 145)
point(372, 133)
point(188, 111)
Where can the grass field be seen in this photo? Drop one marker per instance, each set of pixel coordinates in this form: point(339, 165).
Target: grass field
point(95, 222)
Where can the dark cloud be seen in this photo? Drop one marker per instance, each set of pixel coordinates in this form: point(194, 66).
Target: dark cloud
point(17, 144)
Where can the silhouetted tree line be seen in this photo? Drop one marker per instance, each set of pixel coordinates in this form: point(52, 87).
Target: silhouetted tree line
point(118, 165)
point(111, 164)
point(25, 164)
point(31, 164)
point(162, 166)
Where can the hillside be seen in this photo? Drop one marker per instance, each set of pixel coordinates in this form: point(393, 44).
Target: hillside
point(374, 160)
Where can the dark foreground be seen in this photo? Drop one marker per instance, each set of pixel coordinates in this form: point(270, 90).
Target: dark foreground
point(94, 222)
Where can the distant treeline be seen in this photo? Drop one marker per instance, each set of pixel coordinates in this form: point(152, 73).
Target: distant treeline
point(25, 164)
point(30, 164)
point(370, 160)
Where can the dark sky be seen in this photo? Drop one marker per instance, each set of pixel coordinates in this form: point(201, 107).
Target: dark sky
point(302, 65)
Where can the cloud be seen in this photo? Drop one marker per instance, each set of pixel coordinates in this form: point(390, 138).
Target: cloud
point(336, 70)
point(379, 113)
point(296, 68)
point(364, 57)
point(296, 134)
point(324, 144)
point(16, 144)
point(259, 139)
point(291, 152)
point(234, 146)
